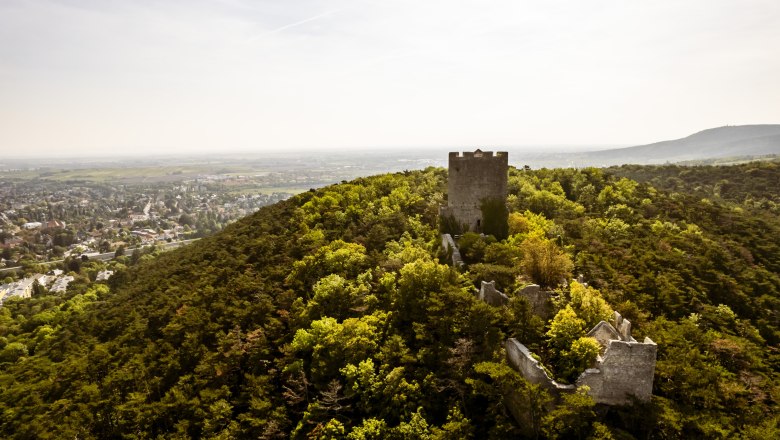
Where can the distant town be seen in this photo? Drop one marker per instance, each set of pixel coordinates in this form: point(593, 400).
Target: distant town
point(43, 220)
point(46, 226)
point(61, 219)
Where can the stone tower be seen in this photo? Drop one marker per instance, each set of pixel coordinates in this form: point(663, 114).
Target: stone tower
point(474, 178)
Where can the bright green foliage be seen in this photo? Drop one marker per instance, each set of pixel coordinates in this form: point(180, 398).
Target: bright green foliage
point(386, 394)
point(332, 430)
point(13, 352)
point(581, 355)
point(336, 297)
point(608, 229)
point(331, 344)
point(416, 427)
point(527, 225)
point(370, 429)
point(572, 418)
point(328, 315)
point(588, 304)
point(544, 262)
point(457, 427)
point(546, 196)
point(418, 282)
point(407, 250)
point(565, 328)
point(338, 257)
point(570, 351)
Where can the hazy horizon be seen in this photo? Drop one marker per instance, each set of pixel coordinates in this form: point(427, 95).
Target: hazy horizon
point(367, 150)
point(89, 78)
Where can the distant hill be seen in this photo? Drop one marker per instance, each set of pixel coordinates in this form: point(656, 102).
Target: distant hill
point(741, 140)
point(744, 142)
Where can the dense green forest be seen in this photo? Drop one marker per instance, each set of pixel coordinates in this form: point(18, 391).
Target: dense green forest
point(334, 315)
point(753, 183)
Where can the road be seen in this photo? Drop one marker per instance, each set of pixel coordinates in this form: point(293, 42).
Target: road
point(106, 256)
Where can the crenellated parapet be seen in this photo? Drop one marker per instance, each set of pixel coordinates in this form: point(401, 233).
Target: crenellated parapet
point(479, 154)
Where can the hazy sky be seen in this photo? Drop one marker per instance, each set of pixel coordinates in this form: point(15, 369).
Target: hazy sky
point(121, 76)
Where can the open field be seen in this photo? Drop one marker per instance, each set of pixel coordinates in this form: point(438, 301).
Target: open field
point(129, 175)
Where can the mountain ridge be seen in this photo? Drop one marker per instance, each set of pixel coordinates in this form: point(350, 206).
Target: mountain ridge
point(730, 140)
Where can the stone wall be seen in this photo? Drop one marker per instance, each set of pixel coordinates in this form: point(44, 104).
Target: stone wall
point(451, 250)
point(627, 367)
point(520, 358)
point(539, 300)
point(603, 332)
point(490, 295)
point(474, 177)
point(624, 372)
point(623, 327)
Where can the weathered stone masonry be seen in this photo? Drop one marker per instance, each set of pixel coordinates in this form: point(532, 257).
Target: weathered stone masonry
point(451, 249)
point(539, 300)
point(491, 295)
point(624, 372)
point(474, 177)
point(624, 369)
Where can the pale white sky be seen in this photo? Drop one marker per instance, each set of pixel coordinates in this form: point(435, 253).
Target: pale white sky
point(97, 76)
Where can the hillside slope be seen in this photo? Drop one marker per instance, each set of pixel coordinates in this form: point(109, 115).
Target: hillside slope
point(330, 316)
point(755, 183)
point(729, 141)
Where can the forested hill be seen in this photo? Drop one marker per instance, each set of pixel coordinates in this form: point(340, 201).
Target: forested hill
point(754, 183)
point(330, 315)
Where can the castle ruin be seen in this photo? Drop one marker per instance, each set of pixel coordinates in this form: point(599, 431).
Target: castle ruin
point(622, 372)
point(474, 178)
point(624, 369)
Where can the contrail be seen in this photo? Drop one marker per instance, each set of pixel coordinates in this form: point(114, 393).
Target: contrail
point(297, 23)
